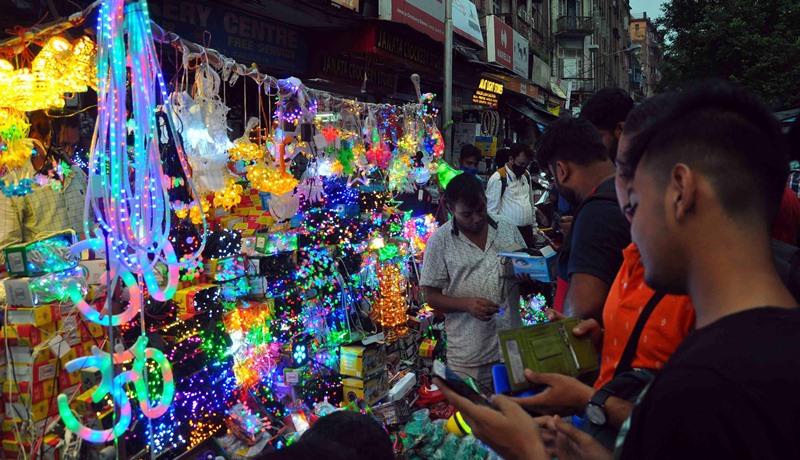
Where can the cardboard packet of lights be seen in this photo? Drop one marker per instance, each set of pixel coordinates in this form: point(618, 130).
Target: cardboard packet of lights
point(46, 255)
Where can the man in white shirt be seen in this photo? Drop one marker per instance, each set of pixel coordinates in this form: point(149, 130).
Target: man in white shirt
point(509, 192)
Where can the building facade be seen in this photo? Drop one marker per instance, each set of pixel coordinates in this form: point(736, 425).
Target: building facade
point(651, 57)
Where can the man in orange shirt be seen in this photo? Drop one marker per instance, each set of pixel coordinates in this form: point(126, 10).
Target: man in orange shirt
point(671, 319)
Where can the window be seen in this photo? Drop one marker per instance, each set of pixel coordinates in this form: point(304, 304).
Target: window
point(636, 27)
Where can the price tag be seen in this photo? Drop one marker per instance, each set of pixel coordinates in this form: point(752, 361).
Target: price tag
point(292, 377)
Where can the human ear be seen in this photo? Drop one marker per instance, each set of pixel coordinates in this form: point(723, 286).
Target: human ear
point(618, 129)
point(682, 191)
point(562, 171)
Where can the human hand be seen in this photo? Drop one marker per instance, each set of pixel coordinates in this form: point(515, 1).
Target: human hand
point(564, 395)
point(574, 444)
point(565, 224)
point(586, 328)
point(481, 309)
point(507, 428)
point(590, 328)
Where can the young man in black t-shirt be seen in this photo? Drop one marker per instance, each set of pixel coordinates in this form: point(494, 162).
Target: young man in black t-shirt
point(591, 253)
point(708, 179)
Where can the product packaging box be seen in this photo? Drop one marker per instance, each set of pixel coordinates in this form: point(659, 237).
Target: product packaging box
point(358, 360)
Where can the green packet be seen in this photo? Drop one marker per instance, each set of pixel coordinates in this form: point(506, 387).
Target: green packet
point(547, 347)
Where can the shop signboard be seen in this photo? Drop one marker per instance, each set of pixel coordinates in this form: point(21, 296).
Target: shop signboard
point(243, 37)
point(349, 4)
point(506, 46)
point(427, 16)
point(488, 93)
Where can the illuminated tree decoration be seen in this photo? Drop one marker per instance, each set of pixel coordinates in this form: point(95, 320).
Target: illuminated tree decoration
point(389, 309)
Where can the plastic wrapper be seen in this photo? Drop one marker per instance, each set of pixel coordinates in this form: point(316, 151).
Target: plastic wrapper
point(50, 288)
point(435, 439)
point(448, 449)
point(471, 449)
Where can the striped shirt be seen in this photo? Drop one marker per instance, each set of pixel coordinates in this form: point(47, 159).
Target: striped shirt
point(44, 211)
point(517, 203)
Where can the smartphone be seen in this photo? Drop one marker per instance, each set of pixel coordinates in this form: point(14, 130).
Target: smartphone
point(458, 384)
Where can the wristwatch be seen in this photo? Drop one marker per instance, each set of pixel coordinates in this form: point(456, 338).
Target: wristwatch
point(596, 409)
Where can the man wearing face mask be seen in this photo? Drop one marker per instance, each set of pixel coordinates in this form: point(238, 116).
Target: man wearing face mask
point(591, 254)
point(509, 192)
point(470, 157)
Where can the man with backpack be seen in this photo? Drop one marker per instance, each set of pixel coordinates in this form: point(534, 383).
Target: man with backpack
point(509, 192)
point(591, 254)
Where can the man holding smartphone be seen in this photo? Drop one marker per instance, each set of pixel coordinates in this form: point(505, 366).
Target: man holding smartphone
point(463, 278)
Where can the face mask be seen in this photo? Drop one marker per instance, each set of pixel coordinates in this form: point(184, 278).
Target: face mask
point(518, 170)
point(473, 171)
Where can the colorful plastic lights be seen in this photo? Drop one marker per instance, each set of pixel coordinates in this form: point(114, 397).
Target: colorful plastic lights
point(60, 67)
point(446, 173)
point(230, 196)
point(300, 354)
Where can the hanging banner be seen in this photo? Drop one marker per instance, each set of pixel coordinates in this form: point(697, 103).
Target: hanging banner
point(241, 36)
point(427, 16)
point(506, 46)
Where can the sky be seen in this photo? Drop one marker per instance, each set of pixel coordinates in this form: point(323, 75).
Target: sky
point(651, 7)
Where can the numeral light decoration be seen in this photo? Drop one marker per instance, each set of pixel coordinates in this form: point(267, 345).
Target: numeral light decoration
point(128, 199)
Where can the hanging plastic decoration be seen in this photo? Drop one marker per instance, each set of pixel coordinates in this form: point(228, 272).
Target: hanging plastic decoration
point(60, 67)
point(230, 196)
point(15, 146)
point(132, 208)
point(203, 124)
point(434, 144)
point(446, 173)
point(244, 148)
point(284, 206)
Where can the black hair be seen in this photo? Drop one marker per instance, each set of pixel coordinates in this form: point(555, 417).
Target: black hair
point(570, 139)
point(639, 118)
point(358, 435)
point(466, 189)
point(731, 137)
point(520, 148)
point(502, 156)
point(606, 108)
point(307, 451)
point(470, 151)
point(648, 110)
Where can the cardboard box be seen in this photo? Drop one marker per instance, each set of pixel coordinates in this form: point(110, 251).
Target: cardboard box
point(27, 335)
point(371, 389)
point(35, 373)
point(25, 355)
point(185, 298)
point(28, 393)
point(33, 315)
point(358, 360)
point(96, 268)
point(538, 268)
point(34, 412)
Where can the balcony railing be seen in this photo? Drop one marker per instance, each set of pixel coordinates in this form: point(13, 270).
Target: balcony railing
point(574, 26)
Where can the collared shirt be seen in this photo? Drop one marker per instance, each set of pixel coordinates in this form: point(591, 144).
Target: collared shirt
point(43, 211)
point(459, 268)
point(665, 329)
point(517, 203)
